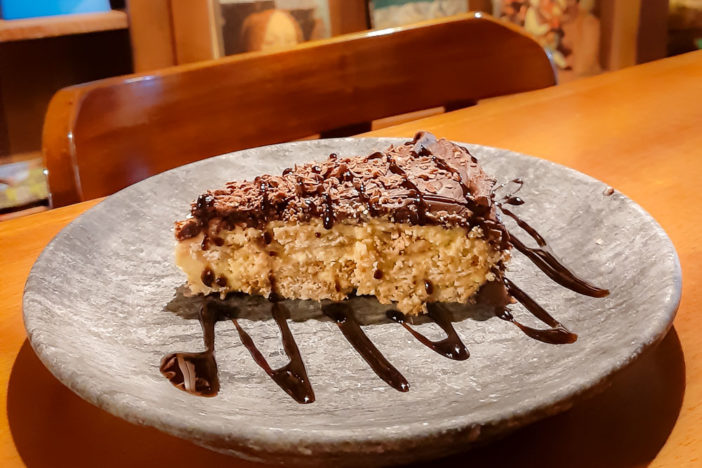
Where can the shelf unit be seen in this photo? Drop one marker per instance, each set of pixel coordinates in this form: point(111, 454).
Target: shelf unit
point(54, 26)
point(38, 56)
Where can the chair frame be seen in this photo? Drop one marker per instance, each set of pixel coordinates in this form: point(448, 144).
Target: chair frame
point(102, 136)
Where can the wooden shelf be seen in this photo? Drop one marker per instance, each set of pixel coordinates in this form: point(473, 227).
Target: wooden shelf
point(53, 26)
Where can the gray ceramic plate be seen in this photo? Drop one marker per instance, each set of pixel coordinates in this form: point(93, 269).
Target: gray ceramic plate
point(95, 311)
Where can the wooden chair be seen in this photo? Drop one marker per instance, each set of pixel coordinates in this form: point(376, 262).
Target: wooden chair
point(102, 136)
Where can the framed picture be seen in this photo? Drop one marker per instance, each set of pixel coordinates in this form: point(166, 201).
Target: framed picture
point(391, 13)
point(251, 25)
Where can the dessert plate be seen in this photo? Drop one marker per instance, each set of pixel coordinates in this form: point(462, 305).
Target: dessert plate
point(102, 307)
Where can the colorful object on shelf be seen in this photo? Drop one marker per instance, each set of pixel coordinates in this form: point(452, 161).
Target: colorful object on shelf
point(17, 9)
point(22, 183)
point(569, 29)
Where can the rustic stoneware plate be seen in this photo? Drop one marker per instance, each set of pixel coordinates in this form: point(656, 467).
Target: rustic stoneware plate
point(100, 313)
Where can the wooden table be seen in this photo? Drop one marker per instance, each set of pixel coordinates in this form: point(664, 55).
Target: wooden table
point(639, 130)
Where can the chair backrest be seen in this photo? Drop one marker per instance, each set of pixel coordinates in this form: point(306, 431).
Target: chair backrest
point(102, 136)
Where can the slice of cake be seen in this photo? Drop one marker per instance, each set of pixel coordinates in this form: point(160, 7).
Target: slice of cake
point(414, 224)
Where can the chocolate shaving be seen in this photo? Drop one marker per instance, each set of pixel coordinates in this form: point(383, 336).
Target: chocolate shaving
point(425, 181)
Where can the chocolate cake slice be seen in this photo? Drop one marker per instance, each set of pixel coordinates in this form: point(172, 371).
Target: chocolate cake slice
point(413, 224)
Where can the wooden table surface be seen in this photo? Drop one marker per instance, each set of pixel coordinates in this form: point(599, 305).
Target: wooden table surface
point(639, 130)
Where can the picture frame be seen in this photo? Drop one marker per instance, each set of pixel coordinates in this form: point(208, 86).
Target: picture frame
point(253, 25)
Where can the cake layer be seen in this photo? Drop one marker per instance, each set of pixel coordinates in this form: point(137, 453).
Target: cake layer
point(399, 263)
point(423, 182)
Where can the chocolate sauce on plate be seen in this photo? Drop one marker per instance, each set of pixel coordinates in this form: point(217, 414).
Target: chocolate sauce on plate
point(451, 347)
point(547, 262)
point(292, 377)
point(196, 373)
point(557, 334)
point(343, 315)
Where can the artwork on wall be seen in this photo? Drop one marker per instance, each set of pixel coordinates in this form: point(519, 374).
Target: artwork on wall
point(391, 13)
point(251, 25)
point(569, 29)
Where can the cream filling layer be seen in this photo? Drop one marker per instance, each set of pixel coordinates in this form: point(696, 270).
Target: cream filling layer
point(393, 262)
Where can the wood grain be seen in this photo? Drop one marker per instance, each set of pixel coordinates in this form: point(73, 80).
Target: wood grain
point(151, 32)
point(52, 26)
point(196, 32)
point(636, 129)
point(347, 16)
point(21, 242)
point(167, 118)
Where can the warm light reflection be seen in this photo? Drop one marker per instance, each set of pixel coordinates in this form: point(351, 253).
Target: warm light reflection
point(138, 79)
point(381, 32)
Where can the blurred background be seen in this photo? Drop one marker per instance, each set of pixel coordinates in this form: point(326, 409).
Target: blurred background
point(49, 44)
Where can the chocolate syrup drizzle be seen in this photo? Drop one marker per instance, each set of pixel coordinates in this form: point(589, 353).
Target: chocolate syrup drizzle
point(421, 216)
point(451, 347)
point(557, 334)
point(328, 218)
point(292, 377)
point(344, 317)
point(547, 262)
point(470, 203)
point(196, 373)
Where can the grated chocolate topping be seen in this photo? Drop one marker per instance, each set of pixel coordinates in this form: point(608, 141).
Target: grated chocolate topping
point(424, 181)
